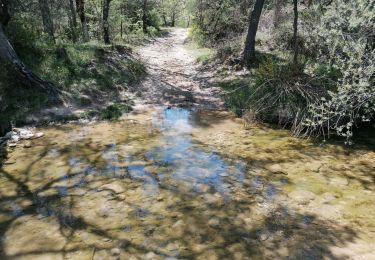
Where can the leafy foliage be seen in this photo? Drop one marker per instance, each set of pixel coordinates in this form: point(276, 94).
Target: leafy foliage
point(345, 36)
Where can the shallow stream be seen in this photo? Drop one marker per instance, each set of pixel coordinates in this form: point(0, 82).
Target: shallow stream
point(182, 184)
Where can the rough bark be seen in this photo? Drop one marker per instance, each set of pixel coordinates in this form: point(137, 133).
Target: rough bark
point(80, 4)
point(277, 13)
point(144, 16)
point(295, 31)
point(164, 19)
point(249, 51)
point(105, 21)
point(4, 14)
point(173, 19)
point(73, 18)
point(8, 57)
point(47, 19)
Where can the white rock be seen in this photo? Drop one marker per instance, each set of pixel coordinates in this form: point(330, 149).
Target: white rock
point(115, 251)
point(39, 134)
point(15, 138)
point(214, 222)
point(27, 144)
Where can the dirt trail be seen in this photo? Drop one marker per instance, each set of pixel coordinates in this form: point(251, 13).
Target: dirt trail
point(173, 75)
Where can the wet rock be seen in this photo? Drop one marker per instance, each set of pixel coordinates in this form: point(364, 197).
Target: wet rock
point(214, 222)
point(9, 162)
point(327, 197)
point(302, 196)
point(115, 251)
point(151, 169)
point(173, 248)
point(178, 223)
point(213, 199)
point(15, 138)
point(175, 215)
point(149, 230)
point(223, 174)
point(103, 213)
point(23, 133)
point(263, 235)
point(315, 166)
point(151, 256)
point(339, 181)
point(204, 188)
point(137, 163)
point(38, 135)
point(12, 144)
point(27, 144)
point(329, 211)
point(276, 169)
point(29, 234)
point(115, 187)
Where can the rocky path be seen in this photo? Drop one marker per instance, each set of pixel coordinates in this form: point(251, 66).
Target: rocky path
point(173, 77)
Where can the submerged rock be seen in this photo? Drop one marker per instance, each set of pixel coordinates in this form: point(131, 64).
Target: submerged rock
point(276, 169)
point(115, 187)
point(27, 144)
point(339, 181)
point(302, 196)
point(213, 199)
point(214, 222)
point(38, 135)
point(115, 251)
point(328, 197)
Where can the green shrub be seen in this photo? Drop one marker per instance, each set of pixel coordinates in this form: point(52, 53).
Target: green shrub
point(345, 43)
point(196, 35)
point(114, 112)
point(277, 93)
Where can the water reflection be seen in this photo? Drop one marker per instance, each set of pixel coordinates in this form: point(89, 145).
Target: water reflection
point(153, 191)
point(187, 162)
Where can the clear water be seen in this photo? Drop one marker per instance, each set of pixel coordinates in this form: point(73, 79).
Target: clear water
point(175, 183)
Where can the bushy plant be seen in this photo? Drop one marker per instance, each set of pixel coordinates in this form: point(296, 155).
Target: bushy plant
point(114, 112)
point(278, 92)
point(345, 36)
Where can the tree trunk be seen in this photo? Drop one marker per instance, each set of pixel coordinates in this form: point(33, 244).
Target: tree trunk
point(105, 21)
point(4, 14)
point(8, 57)
point(295, 31)
point(164, 20)
point(188, 23)
point(144, 16)
point(249, 52)
point(82, 16)
point(173, 19)
point(277, 13)
point(47, 19)
point(73, 25)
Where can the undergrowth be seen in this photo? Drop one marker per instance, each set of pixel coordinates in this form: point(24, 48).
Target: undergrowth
point(84, 73)
point(276, 92)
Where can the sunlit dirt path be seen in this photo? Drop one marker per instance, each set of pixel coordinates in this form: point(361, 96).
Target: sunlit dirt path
point(173, 75)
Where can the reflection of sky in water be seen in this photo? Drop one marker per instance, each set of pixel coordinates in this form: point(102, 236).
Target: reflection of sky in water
point(177, 159)
point(188, 163)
